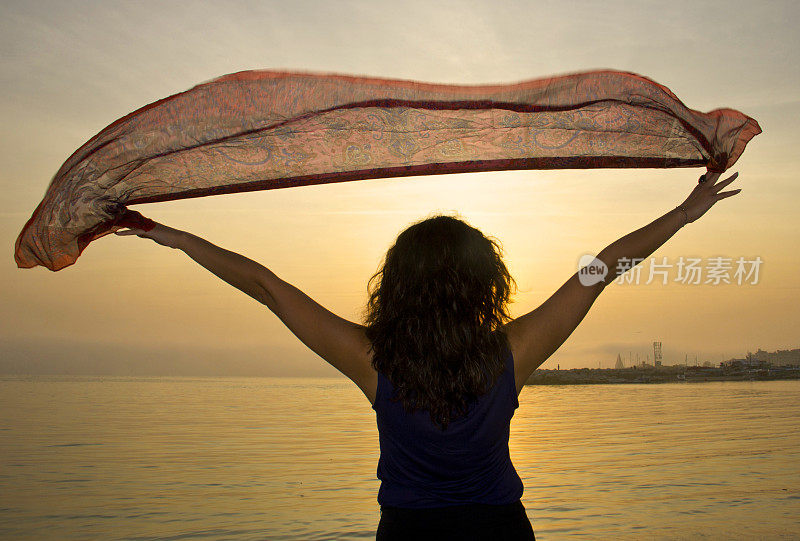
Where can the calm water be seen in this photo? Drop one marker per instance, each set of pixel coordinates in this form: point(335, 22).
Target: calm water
point(262, 458)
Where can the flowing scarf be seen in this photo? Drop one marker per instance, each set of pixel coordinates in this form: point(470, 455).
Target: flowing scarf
point(261, 130)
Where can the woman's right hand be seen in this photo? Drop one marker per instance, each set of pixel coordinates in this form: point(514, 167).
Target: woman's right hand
point(706, 193)
point(161, 234)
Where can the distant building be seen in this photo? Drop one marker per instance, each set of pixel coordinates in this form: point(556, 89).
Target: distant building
point(779, 358)
point(748, 363)
point(657, 357)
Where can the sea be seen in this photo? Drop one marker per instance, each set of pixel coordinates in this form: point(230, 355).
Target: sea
point(186, 458)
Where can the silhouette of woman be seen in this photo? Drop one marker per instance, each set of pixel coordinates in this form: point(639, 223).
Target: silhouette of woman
point(441, 361)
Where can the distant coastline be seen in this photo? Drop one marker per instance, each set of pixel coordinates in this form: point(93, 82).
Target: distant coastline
point(660, 374)
point(759, 366)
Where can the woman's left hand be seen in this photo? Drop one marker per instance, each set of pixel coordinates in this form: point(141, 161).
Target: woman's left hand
point(706, 194)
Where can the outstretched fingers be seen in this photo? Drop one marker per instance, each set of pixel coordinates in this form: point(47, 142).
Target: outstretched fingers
point(723, 195)
point(719, 186)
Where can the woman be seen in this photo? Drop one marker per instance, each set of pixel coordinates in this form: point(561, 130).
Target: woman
point(440, 362)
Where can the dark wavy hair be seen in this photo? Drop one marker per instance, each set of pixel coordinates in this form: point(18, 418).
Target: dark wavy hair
point(435, 313)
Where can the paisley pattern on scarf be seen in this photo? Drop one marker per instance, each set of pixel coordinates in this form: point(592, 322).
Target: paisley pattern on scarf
point(261, 130)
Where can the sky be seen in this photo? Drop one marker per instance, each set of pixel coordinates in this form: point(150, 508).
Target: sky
point(132, 307)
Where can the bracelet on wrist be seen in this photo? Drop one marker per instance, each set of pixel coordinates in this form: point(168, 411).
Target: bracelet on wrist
point(685, 214)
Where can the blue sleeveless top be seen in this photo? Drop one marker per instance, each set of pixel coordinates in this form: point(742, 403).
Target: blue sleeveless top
point(421, 466)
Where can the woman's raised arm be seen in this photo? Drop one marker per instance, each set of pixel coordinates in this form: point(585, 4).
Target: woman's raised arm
point(535, 336)
point(340, 342)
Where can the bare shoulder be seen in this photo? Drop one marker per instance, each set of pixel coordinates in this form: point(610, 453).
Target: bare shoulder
point(535, 336)
point(369, 385)
point(516, 344)
point(363, 374)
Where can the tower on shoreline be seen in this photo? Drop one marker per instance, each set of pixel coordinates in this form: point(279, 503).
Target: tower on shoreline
point(657, 354)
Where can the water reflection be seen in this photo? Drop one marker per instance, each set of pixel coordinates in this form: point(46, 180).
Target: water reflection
point(264, 458)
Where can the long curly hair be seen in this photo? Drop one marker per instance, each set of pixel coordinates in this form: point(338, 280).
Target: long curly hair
point(435, 313)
